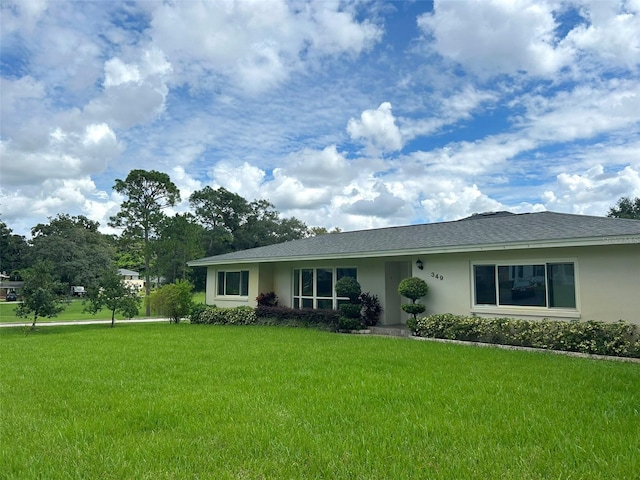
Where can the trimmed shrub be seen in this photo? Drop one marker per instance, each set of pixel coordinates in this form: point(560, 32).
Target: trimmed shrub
point(413, 288)
point(348, 287)
point(212, 315)
point(601, 338)
point(298, 317)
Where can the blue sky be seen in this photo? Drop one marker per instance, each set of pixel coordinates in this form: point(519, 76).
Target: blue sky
point(342, 114)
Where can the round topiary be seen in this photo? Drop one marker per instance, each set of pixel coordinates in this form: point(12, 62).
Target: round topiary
point(413, 288)
point(348, 287)
point(413, 308)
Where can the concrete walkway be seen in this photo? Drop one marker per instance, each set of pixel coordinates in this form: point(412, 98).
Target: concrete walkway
point(40, 323)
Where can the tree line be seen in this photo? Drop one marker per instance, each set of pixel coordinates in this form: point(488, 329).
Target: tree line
point(152, 242)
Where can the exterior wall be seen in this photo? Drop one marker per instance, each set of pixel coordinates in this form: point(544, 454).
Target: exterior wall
point(212, 297)
point(607, 282)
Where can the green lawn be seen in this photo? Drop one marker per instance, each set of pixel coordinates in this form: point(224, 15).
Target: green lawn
point(163, 401)
point(74, 311)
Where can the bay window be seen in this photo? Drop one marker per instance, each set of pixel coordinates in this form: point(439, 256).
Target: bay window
point(315, 287)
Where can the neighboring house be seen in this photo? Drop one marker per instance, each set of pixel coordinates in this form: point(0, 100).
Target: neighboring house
point(533, 265)
point(131, 278)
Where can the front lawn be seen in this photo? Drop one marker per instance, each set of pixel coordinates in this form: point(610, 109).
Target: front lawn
point(74, 311)
point(163, 401)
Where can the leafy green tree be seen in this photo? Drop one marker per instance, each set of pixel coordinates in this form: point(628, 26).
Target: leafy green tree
point(148, 194)
point(221, 212)
point(626, 208)
point(74, 246)
point(173, 300)
point(179, 240)
point(13, 250)
point(234, 224)
point(112, 292)
point(42, 294)
point(413, 288)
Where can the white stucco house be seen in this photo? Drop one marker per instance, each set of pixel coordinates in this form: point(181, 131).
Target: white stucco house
point(131, 278)
point(533, 265)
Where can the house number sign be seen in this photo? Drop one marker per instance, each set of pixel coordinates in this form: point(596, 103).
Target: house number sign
point(437, 276)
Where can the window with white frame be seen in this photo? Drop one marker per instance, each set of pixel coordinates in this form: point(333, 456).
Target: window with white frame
point(548, 285)
point(315, 287)
point(233, 283)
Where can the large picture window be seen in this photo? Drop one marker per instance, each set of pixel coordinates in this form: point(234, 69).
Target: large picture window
point(233, 283)
point(549, 285)
point(314, 287)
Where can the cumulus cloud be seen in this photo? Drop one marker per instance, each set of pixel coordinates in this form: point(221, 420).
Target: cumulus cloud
point(133, 92)
point(380, 203)
point(457, 200)
point(592, 191)
point(244, 179)
point(491, 37)
point(256, 44)
point(377, 129)
point(496, 36)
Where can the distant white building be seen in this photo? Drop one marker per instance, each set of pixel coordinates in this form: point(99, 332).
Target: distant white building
point(131, 278)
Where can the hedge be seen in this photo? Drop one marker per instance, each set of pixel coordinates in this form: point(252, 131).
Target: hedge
point(223, 316)
point(616, 339)
point(264, 315)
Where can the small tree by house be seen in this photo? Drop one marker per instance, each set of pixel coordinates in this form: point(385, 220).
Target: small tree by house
point(113, 293)
point(42, 294)
point(413, 288)
point(174, 300)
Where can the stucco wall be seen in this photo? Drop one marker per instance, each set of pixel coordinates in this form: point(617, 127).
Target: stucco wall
point(607, 282)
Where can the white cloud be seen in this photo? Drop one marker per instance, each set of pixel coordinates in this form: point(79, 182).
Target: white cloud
point(592, 191)
point(116, 72)
point(497, 36)
point(377, 128)
point(612, 34)
point(243, 179)
point(457, 200)
point(256, 44)
point(379, 203)
point(314, 168)
point(584, 112)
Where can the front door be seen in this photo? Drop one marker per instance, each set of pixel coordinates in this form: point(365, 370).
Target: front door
point(394, 273)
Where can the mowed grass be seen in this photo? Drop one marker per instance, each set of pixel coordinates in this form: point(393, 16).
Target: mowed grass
point(74, 311)
point(160, 401)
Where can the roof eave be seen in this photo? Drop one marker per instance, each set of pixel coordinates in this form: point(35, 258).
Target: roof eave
point(582, 242)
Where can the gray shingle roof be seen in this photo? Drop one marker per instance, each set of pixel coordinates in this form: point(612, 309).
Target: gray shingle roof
point(493, 230)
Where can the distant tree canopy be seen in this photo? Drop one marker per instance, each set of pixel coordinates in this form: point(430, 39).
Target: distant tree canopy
point(152, 242)
point(626, 208)
point(13, 251)
point(232, 223)
point(77, 251)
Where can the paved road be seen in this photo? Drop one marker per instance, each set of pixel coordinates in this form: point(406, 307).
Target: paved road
point(83, 322)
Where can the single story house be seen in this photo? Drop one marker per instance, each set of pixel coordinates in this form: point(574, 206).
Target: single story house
point(131, 278)
point(532, 265)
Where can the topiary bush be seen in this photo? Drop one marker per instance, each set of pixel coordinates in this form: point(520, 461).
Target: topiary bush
point(413, 288)
point(348, 287)
point(601, 338)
